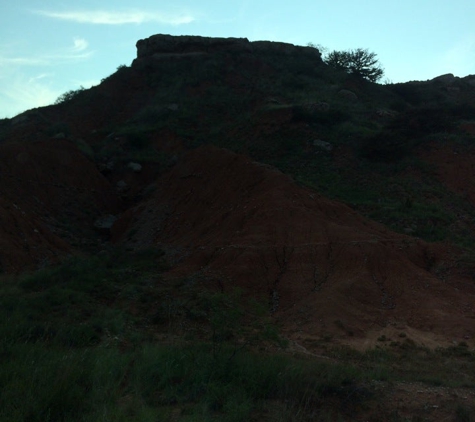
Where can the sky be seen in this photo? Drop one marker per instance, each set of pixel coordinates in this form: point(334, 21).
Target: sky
point(48, 47)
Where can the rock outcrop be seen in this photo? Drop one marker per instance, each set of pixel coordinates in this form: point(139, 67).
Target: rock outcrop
point(162, 46)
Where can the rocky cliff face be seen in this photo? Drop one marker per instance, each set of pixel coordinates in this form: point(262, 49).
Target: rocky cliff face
point(167, 46)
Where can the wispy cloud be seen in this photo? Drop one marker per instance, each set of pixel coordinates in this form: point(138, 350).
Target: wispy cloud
point(25, 84)
point(36, 78)
point(68, 57)
point(22, 61)
point(77, 51)
point(80, 44)
point(20, 93)
point(108, 17)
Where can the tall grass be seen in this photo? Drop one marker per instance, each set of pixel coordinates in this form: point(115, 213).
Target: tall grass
point(102, 338)
point(77, 344)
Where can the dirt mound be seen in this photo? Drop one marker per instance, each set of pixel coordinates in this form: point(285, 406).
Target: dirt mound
point(50, 195)
point(324, 269)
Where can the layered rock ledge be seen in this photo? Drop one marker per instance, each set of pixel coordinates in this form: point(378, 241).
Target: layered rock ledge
point(162, 46)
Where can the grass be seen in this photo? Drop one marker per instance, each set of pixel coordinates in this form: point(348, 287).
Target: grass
point(78, 343)
point(108, 384)
point(107, 338)
point(402, 360)
point(405, 196)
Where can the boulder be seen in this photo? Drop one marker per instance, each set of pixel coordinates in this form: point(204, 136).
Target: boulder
point(121, 186)
point(104, 224)
point(326, 146)
point(135, 167)
point(320, 106)
point(385, 113)
point(347, 95)
point(106, 167)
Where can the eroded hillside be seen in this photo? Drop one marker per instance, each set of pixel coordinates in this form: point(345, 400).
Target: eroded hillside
point(321, 193)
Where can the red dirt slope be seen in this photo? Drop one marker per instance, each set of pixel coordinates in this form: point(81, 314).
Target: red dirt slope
point(324, 269)
point(50, 195)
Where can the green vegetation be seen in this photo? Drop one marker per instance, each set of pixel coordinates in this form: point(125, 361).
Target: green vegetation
point(108, 338)
point(401, 360)
point(79, 342)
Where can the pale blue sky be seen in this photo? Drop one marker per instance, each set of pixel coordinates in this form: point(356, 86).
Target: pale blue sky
point(50, 46)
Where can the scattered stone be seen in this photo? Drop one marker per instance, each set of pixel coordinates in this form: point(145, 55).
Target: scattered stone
point(453, 89)
point(60, 135)
point(385, 113)
point(347, 95)
point(320, 106)
point(121, 186)
point(323, 106)
point(106, 167)
point(173, 107)
point(105, 223)
point(136, 167)
point(323, 145)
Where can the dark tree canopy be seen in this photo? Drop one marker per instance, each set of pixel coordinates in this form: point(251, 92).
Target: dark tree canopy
point(69, 95)
point(359, 62)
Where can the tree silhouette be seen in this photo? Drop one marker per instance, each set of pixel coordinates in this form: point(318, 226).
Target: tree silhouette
point(359, 62)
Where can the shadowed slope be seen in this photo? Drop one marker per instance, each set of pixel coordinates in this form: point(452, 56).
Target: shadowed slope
point(50, 196)
point(317, 261)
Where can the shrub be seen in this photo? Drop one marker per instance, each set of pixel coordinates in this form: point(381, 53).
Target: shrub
point(69, 95)
point(359, 62)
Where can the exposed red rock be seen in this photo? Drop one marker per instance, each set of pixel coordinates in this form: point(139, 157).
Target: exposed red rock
point(323, 268)
point(47, 189)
